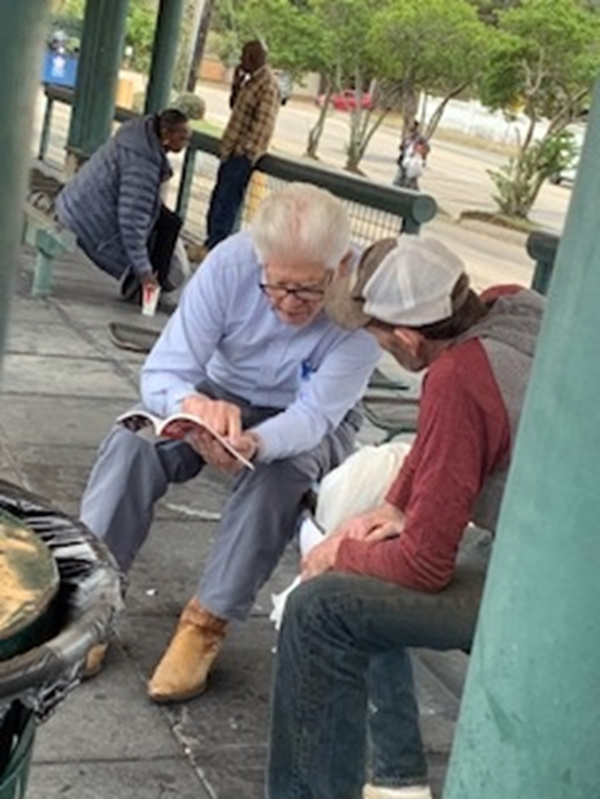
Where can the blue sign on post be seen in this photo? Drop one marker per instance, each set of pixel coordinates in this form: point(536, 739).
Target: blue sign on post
point(59, 69)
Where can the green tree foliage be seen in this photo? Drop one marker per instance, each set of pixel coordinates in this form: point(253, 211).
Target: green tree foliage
point(438, 46)
point(519, 181)
point(544, 61)
point(141, 21)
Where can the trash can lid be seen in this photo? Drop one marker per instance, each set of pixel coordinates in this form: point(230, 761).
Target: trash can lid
point(29, 580)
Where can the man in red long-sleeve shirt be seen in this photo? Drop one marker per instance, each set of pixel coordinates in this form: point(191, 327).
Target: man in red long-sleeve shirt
point(404, 575)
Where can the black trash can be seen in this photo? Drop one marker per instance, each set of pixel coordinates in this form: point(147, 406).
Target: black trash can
point(64, 602)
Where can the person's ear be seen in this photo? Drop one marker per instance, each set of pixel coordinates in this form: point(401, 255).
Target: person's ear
point(343, 268)
point(409, 339)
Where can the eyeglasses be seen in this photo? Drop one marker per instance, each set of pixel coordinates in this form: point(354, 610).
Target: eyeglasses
point(279, 293)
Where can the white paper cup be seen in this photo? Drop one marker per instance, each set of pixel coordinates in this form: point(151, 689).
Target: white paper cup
point(150, 295)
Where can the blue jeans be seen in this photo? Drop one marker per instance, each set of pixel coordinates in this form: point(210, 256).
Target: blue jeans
point(343, 708)
point(227, 198)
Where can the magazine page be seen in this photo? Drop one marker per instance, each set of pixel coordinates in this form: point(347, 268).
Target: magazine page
point(138, 420)
point(180, 425)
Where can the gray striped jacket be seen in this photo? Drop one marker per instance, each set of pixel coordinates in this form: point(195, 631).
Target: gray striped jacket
point(113, 201)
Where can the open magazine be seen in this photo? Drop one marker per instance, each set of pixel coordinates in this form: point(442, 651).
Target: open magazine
point(179, 425)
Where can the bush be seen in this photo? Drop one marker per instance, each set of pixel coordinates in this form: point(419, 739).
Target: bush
point(191, 105)
point(518, 183)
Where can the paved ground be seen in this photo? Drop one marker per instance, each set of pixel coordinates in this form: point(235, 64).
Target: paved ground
point(63, 385)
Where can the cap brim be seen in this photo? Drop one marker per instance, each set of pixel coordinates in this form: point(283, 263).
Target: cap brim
point(342, 308)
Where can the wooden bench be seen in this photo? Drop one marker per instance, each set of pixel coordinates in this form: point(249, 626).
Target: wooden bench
point(41, 230)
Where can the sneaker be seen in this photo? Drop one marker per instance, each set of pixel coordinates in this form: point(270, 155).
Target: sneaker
point(407, 792)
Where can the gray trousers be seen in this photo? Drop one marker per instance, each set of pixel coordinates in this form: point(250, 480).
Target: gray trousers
point(260, 517)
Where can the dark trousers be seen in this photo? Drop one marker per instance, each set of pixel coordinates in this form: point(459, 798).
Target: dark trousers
point(161, 245)
point(227, 198)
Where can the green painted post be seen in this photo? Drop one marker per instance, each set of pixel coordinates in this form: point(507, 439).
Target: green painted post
point(97, 74)
point(21, 38)
point(530, 720)
point(164, 53)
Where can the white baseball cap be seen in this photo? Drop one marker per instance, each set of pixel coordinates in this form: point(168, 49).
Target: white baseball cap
point(405, 282)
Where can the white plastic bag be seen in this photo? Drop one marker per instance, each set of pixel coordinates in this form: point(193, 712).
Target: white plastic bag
point(357, 486)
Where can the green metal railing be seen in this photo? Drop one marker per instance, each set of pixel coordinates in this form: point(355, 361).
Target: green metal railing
point(375, 210)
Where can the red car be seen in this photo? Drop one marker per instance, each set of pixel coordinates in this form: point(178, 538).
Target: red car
point(347, 100)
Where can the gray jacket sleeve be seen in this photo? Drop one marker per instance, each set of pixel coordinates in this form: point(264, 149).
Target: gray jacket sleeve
point(139, 199)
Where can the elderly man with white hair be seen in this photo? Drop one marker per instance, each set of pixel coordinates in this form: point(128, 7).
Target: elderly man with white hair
point(250, 351)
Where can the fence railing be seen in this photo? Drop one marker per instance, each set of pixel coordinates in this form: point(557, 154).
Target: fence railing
point(375, 210)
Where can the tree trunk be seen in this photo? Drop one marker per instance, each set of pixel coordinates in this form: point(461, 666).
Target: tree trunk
point(201, 35)
point(314, 134)
point(436, 117)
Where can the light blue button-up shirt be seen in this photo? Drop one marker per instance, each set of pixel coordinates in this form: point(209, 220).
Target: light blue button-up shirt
point(226, 330)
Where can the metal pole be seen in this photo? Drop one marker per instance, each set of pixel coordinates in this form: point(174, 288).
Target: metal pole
point(530, 719)
point(164, 53)
point(97, 74)
point(21, 35)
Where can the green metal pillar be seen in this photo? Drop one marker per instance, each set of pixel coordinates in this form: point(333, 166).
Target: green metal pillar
point(21, 36)
point(164, 53)
point(97, 74)
point(530, 721)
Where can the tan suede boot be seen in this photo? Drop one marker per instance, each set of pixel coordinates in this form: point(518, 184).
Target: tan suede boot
point(183, 669)
point(94, 660)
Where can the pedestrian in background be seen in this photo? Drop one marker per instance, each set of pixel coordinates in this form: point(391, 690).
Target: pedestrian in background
point(254, 103)
point(412, 156)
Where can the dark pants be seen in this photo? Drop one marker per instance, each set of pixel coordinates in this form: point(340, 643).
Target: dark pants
point(227, 198)
point(343, 693)
point(161, 245)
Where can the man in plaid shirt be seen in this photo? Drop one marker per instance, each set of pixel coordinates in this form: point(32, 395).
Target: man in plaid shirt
point(254, 103)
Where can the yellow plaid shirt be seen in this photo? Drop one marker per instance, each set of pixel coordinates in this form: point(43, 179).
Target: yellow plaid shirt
point(252, 119)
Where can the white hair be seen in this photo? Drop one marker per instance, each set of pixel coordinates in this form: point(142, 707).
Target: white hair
point(302, 221)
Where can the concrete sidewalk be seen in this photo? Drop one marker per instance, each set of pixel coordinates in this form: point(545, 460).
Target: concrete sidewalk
point(62, 387)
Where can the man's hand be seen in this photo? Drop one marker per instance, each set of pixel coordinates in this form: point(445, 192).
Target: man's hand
point(218, 457)
point(224, 417)
point(386, 521)
point(149, 280)
point(321, 558)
